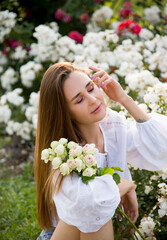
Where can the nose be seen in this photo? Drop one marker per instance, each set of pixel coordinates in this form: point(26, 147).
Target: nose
point(91, 99)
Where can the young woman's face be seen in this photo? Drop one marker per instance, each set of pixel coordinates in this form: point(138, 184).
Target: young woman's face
point(85, 100)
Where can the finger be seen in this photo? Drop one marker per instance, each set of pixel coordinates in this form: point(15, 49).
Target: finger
point(103, 79)
point(100, 73)
point(133, 216)
point(96, 81)
point(105, 83)
point(95, 69)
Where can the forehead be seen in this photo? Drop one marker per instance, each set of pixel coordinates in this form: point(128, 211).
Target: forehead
point(75, 83)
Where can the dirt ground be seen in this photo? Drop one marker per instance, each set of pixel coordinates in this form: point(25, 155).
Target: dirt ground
point(14, 154)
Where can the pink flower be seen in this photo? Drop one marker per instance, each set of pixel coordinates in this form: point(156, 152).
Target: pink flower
point(5, 51)
point(136, 29)
point(84, 18)
point(7, 43)
point(66, 18)
point(28, 48)
point(125, 13)
point(127, 5)
point(59, 14)
point(15, 43)
point(76, 36)
point(125, 24)
point(129, 25)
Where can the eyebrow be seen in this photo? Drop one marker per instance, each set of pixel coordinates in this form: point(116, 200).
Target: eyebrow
point(80, 92)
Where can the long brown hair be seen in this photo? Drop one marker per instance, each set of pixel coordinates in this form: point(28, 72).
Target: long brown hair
point(54, 122)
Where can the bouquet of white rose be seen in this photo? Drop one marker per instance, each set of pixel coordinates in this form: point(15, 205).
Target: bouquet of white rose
point(71, 157)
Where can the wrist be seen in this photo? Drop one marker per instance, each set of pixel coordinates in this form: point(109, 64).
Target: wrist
point(125, 99)
point(133, 187)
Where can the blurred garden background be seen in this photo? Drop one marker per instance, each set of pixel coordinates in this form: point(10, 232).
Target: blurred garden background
point(126, 39)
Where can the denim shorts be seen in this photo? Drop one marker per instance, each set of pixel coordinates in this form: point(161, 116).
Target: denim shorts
point(46, 235)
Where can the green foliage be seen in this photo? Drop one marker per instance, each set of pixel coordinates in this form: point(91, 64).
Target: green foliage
point(86, 179)
point(111, 171)
point(107, 170)
point(18, 219)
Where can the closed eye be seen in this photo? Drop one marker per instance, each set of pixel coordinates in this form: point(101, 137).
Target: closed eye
point(90, 90)
point(80, 100)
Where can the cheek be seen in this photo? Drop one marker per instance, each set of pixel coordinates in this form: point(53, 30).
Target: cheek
point(76, 111)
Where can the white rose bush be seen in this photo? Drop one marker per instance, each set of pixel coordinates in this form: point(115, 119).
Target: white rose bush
point(130, 46)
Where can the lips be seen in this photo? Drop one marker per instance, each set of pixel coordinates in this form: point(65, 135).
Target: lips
point(97, 108)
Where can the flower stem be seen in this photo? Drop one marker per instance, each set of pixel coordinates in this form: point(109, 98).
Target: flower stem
point(134, 226)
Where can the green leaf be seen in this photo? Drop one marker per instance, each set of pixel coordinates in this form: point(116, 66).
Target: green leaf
point(117, 169)
point(99, 171)
point(107, 170)
point(87, 179)
point(116, 178)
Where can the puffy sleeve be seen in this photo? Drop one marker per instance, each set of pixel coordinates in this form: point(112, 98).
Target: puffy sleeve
point(87, 206)
point(147, 143)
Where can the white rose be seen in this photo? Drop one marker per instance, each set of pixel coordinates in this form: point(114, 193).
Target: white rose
point(45, 155)
point(147, 225)
point(71, 163)
point(165, 9)
point(147, 189)
point(162, 212)
point(76, 151)
point(90, 160)
point(63, 141)
point(90, 149)
point(78, 164)
point(60, 149)
point(72, 144)
point(54, 144)
point(88, 172)
point(56, 162)
point(64, 169)
point(161, 185)
point(152, 14)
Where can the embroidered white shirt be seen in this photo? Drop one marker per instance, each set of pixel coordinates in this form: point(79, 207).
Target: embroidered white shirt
point(144, 145)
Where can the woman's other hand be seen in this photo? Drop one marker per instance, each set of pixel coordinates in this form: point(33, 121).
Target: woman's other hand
point(130, 205)
point(129, 198)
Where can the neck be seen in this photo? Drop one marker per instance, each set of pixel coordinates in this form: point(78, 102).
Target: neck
point(92, 134)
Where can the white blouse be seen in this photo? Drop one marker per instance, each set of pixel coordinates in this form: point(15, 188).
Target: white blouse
point(144, 145)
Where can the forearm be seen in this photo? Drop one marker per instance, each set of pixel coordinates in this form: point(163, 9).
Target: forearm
point(125, 186)
point(136, 112)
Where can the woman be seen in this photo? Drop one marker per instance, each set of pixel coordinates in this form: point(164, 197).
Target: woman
point(71, 105)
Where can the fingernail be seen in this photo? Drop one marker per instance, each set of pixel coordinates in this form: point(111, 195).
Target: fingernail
point(102, 85)
point(97, 85)
point(91, 77)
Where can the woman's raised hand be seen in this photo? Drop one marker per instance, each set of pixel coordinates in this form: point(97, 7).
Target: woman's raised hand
point(110, 86)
